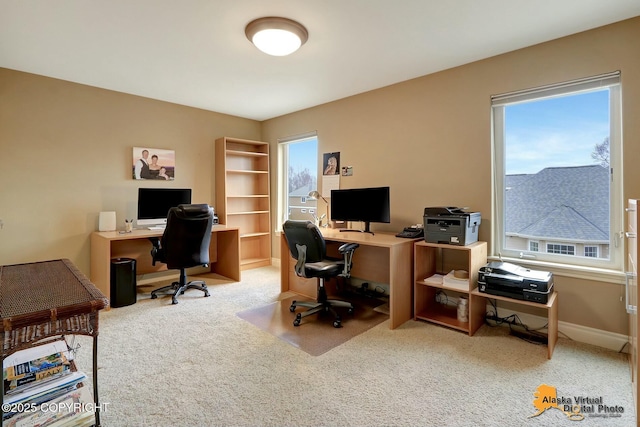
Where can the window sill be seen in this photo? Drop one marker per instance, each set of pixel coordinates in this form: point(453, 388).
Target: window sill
point(567, 270)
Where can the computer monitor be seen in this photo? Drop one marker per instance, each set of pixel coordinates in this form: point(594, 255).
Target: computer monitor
point(361, 204)
point(154, 203)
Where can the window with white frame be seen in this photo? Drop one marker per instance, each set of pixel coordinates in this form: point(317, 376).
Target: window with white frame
point(297, 177)
point(557, 248)
point(557, 172)
point(591, 251)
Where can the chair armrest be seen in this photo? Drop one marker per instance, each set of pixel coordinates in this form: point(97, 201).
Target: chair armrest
point(155, 241)
point(347, 251)
point(348, 247)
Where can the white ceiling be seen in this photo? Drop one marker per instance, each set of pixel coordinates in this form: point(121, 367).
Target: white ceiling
point(195, 53)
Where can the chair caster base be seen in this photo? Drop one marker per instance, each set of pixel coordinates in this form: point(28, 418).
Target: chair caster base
point(296, 322)
point(179, 289)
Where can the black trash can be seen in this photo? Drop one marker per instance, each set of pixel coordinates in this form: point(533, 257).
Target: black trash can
point(123, 282)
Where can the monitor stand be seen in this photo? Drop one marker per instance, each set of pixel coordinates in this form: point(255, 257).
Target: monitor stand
point(367, 229)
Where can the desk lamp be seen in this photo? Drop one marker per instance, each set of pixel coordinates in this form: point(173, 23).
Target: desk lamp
point(316, 195)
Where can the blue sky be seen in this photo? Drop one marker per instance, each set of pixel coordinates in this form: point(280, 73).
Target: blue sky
point(304, 155)
point(556, 131)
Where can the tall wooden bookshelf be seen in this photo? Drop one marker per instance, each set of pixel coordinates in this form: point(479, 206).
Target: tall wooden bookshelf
point(243, 196)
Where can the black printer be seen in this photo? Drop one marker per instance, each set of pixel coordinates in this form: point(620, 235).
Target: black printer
point(513, 281)
point(451, 225)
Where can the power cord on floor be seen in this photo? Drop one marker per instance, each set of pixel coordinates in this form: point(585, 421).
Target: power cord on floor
point(523, 331)
point(377, 292)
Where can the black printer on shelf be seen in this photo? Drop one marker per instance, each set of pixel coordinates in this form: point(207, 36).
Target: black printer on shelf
point(451, 225)
point(513, 281)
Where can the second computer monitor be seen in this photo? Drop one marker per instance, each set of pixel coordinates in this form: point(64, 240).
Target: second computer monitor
point(361, 204)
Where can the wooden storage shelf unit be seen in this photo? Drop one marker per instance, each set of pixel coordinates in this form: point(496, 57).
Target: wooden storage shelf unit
point(436, 258)
point(551, 307)
point(243, 198)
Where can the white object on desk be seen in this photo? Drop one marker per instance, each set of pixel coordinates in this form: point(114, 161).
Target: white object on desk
point(157, 227)
point(107, 221)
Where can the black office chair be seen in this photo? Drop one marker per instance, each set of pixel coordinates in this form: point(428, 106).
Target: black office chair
point(184, 244)
point(308, 247)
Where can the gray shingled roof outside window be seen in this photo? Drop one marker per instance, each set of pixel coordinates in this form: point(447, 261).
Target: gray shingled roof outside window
point(302, 191)
point(563, 203)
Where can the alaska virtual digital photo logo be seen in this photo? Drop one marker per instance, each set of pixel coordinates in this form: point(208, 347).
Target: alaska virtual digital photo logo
point(575, 407)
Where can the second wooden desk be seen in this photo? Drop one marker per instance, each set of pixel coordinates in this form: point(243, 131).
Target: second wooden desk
point(381, 257)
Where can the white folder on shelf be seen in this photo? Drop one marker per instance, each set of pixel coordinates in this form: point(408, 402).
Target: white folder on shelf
point(451, 281)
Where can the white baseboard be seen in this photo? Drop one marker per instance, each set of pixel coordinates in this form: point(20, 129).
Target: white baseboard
point(610, 340)
point(585, 334)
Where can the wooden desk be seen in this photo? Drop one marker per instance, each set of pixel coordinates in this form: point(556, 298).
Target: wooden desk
point(224, 254)
point(381, 257)
point(45, 299)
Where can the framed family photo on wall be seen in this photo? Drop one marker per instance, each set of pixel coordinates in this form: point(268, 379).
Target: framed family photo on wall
point(154, 163)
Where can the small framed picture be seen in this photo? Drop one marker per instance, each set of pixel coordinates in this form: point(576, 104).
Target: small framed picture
point(154, 163)
point(331, 164)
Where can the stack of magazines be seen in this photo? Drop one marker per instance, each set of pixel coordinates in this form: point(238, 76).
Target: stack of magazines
point(42, 389)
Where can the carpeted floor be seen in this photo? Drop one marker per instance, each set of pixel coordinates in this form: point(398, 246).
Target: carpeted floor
point(198, 364)
point(316, 334)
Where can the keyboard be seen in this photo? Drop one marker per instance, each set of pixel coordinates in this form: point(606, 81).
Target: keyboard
point(157, 227)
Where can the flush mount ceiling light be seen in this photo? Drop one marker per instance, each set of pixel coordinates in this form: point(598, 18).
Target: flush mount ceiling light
point(276, 36)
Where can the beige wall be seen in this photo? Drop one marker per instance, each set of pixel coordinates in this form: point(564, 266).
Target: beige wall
point(66, 155)
point(429, 139)
point(65, 149)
